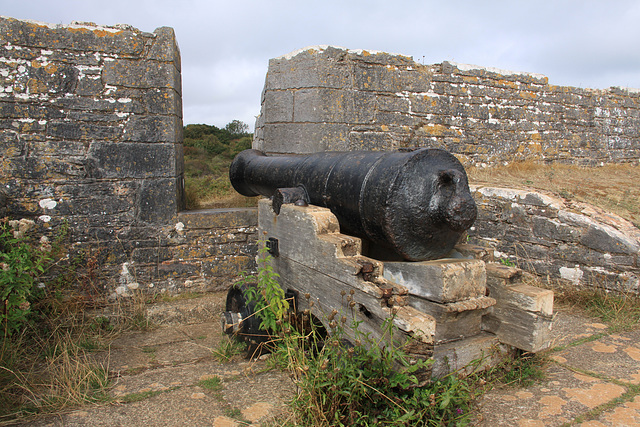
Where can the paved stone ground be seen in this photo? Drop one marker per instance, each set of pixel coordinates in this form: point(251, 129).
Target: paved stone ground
point(591, 369)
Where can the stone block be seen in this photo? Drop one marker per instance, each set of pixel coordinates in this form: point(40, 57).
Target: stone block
point(132, 160)
point(165, 47)
point(304, 138)
point(228, 266)
point(151, 255)
point(305, 71)
point(178, 269)
point(142, 74)
point(446, 280)
point(158, 200)
point(219, 218)
point(552, 229)
point(162, 102)
point(280, 106)
point(153, 129)
point(82, 131)
point(89, 87)
point(607, 239)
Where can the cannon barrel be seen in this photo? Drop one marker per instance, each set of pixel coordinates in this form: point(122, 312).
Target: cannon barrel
point(415, 202)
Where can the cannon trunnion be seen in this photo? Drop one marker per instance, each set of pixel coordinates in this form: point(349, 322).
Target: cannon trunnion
point(414, 202)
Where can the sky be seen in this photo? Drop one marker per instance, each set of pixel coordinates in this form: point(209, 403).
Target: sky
point(226, 45)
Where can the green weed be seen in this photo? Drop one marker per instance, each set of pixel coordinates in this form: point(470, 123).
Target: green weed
point(214, 383)
point(227, 349)
point(267, 296)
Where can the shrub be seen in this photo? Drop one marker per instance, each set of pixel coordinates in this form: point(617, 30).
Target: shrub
point(23, 259)
point(361, 382)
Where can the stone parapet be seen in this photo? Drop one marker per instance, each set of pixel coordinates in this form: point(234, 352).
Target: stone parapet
point(91, 136)
point(329, 98)
point(556, 238)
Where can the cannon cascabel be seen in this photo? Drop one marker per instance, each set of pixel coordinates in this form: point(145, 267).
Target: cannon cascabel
point(415, 202)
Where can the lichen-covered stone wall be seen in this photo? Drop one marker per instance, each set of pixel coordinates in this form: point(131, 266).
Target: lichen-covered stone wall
point(91, 136)
point(327, 98)
point(558, 239)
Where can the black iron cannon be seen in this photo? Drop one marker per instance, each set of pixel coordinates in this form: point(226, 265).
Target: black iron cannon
point(415, 202)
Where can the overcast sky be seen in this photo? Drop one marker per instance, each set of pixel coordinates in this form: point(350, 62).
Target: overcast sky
point(226, 45)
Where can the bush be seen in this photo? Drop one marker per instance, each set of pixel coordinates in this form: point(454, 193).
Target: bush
point(23, 259)
point(361, 382)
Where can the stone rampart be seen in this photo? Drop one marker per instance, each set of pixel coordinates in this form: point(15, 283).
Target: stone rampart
point(557, 238)
point(91, 135)
point(327, 98)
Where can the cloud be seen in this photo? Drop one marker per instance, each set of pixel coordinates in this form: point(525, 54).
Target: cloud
point(226, 45)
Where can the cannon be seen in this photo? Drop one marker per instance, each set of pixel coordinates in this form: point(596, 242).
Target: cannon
point(415, 202)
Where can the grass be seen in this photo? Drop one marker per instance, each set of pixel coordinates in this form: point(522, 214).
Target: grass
point(613, 188)
point(50, 366)
point(44, 374)
point(213, 383)
point(620, 311)
point(207, 184)
point(228, 349)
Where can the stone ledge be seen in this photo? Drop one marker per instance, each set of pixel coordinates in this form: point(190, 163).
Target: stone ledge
point(219, 218)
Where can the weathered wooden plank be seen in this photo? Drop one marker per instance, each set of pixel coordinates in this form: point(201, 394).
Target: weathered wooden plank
point(522, 329)
point(525, 297)
point(444, 280)
point(457, 320)
point(483, 349)
point(310, 236)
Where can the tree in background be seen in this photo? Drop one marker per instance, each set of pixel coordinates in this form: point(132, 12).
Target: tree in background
point(236, 127)
point(226, 142)
point(208, 151)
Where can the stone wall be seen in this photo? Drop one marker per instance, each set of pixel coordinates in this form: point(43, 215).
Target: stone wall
point(558, 239)
point(326, 98)
point(91, 135)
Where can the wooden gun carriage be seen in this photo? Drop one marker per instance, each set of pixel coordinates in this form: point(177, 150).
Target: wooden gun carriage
point(382, 227)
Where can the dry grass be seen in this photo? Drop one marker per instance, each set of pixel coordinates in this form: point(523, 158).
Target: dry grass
point(231, 200)
point(614, 188)
point(61, 361)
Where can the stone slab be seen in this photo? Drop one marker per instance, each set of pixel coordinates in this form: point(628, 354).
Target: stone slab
point(558, 400)
point(614, 356)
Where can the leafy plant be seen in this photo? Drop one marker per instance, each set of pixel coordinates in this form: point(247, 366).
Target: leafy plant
point(266, 296)
point(507, 262)
point(369, 382)
point(22, 261)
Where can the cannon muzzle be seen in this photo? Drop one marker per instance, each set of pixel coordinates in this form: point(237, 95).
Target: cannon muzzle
point(415, 202)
